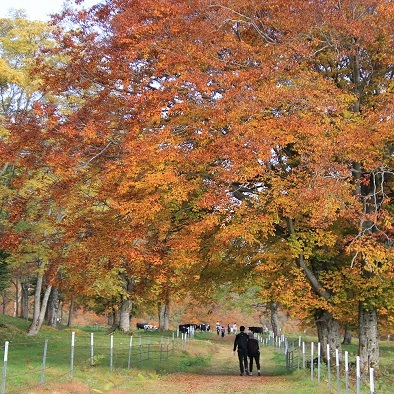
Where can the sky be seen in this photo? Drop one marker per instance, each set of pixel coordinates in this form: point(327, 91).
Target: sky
point(36, 9)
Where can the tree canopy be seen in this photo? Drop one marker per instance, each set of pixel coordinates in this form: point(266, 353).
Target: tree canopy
point(183, 145)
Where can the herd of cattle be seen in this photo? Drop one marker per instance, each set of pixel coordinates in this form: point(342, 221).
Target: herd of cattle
point(185, 328)
point(196, 327)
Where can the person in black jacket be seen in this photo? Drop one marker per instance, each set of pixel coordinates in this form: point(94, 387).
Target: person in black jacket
point(253, 353)
point(241, 342)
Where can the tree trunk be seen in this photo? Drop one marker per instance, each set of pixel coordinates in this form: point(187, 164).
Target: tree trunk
point(39, 308)
point(273, 307)
point(4, 301)
point(17, 298)
point(25, 299)
point(368, 339)
point(347, 337)
point(53, 308)
point(164, 315)
point(124, 315)
point(71, 313)
point(115, 319)
point(329, 332)
point(125, 305)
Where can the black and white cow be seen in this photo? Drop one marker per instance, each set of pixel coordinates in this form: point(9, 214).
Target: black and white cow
point(256, 330)
point(203, 327)
point(141, 325)
point(187, 327)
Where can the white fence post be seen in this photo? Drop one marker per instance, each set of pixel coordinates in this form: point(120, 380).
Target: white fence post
point(318, 361)
point(328, 367)
point(347, 371)
point(358, 374)
point(72, 354)
point(111, 352)
point(338, 373)
point(130, 347)
point(312, 346)
point(43, 362)
point(371, 381)
point(4, 367)
point(91, 350)
point(299, 352)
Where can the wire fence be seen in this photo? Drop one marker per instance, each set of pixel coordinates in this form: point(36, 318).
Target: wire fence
point(341, 374)
point(27, 365)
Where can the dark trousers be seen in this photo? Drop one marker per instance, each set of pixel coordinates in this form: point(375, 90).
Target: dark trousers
point(256, 357)
point(243, 360)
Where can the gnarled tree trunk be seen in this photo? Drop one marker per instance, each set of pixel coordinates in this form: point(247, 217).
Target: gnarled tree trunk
point(164, 315)
point(347, 337)
point(24, 298)
point(329, 332)
point(126, 305)
point(71, 313)
point(273, 307)
point(53, 308)
point(368, 338)
point(39, 307)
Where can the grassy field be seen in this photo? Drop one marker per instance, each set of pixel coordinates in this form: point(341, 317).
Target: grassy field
point(205, 364)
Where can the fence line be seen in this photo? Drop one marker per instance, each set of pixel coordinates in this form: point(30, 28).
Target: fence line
point(296, 348)
point(82, 352)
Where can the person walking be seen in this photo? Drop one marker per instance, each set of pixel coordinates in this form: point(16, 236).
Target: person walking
point(240, 344)
point(253, 353)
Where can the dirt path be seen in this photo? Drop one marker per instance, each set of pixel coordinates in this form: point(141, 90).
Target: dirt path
point(222, 376)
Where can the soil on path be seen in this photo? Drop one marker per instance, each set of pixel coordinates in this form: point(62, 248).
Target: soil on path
point(222, 376)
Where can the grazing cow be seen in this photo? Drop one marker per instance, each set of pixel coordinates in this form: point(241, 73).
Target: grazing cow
point(256, 330)
point(142, 325)
point(150, 327)
point(187, 327)
point(146, 326)
point(203, 327)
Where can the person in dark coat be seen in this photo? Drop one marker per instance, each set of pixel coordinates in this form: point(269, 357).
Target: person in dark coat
point(240, 343)
point(253, 353)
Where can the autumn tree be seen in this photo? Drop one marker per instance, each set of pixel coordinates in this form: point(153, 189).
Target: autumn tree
point(313, 129)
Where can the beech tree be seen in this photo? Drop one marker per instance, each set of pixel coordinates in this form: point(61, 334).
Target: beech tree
point(316, 123)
